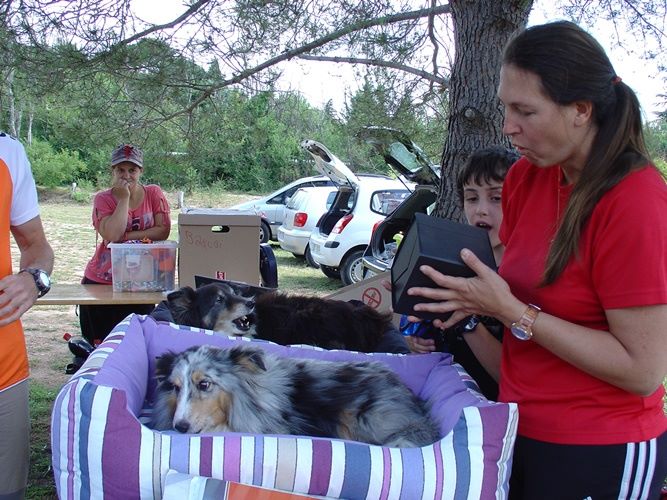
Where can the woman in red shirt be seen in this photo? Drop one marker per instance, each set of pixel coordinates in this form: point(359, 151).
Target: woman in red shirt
point(582, 288)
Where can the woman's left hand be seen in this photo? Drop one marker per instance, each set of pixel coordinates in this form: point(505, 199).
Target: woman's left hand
point(486, 293)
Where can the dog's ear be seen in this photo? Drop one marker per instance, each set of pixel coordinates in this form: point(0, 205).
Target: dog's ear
point(182, 304)
point(250, 359)
point(184, 293)
point(226, 288)
point(164, 365)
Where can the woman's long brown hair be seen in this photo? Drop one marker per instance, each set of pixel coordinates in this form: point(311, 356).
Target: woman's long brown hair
point(572, 66)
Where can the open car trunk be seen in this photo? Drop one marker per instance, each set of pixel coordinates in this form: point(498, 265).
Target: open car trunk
point(342, 205)
point(407, 159)
point(328, 164)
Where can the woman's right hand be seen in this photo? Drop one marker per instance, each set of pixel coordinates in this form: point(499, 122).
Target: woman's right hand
point(121, 189)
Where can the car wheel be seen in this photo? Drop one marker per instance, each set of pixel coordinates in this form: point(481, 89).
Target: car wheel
point(330, 272)
point(309, 258)
point(353, 268)
point(264, 232)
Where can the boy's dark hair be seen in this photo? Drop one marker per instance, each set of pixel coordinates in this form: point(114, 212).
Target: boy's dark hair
point(486, 165)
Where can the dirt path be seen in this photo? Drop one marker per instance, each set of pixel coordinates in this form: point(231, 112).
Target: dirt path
point(48, 353)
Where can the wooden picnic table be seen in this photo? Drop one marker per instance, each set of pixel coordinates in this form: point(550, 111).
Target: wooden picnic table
point(76, 293)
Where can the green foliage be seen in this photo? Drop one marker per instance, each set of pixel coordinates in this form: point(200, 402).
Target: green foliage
point(84, 191)
point(54, 168)
point(656, 139)
point(236, 139)
point(662, 165)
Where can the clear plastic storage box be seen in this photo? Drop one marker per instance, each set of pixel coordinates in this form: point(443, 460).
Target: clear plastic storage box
point(143, 267)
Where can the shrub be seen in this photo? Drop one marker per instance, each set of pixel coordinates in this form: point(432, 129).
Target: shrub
point(51, 168)
point(662, 165)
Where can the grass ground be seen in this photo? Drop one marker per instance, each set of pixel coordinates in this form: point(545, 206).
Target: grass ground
point(68, 228)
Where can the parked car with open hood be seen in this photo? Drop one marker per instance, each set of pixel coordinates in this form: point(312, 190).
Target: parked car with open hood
point(342, 234)
point(408, 160)
point(271, 208)
point(302, 212)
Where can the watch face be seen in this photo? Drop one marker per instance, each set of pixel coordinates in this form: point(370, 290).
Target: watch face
point(472, 323)
point(520, 332)
point(44, 278)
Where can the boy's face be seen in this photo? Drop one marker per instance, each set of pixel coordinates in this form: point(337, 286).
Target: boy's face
point(482, 207)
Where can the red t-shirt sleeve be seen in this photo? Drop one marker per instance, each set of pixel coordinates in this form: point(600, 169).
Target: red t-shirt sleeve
point(629, 238)
point(104, 205)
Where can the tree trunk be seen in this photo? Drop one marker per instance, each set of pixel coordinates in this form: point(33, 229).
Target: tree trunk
point(19, 122)
point(481, 28)
point(11, 104)
point(31, 116)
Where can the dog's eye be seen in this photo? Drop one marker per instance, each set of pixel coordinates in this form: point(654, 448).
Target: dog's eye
point(204, 385)
point(219, 299)
point(168, 386)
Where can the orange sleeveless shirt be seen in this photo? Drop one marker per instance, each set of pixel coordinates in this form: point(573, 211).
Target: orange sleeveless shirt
point(13, 353)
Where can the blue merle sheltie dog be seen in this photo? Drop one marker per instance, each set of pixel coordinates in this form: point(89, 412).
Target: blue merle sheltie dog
point(245, 389)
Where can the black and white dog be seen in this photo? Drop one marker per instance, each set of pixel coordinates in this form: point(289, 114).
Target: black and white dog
point(282, 318)
point(244, 389)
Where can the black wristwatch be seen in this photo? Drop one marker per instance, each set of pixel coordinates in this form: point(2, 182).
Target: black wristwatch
point(42, 279)
point(469, 324)
point(466, 325)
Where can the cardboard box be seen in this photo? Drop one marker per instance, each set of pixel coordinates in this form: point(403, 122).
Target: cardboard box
point(438, 243)
point(369, 291)
point(218, 243)
point(143, 267)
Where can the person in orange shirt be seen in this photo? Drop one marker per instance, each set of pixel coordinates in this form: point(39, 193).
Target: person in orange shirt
point(19, 214)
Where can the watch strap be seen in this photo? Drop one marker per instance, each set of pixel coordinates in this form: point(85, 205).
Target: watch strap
point(523, 327)
point(529, 316)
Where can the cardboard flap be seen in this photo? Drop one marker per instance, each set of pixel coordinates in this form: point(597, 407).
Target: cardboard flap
point(217, 217)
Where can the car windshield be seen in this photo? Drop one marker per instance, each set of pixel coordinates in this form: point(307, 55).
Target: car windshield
point(330, 199)
point(406, 157)
point(384, 202)
point(297, 199)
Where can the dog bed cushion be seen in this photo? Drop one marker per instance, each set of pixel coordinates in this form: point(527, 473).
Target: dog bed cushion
point(101, 447)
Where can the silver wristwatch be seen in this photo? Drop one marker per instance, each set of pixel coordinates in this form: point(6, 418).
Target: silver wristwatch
point(42, 279)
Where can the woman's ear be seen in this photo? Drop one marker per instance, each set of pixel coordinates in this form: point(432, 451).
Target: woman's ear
point(583, 112)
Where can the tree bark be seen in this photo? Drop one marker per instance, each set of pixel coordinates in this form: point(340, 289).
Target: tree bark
point(481, 29)
point(31, 116)
point(11, 104)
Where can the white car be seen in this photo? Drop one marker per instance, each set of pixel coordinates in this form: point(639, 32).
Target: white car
point(271, 208)
point(362, 201)
point(302, 212)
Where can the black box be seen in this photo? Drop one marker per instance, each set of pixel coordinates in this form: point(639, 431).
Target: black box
point(438, 243)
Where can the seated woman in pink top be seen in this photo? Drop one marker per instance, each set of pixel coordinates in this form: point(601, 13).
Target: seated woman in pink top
point(129, 210)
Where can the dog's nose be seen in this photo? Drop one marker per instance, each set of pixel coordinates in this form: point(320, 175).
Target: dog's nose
point(182, 426)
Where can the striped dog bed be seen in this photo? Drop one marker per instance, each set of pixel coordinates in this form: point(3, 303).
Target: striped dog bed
point(102, 449)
